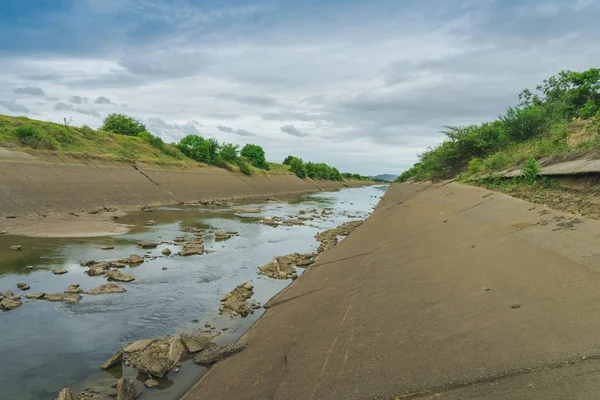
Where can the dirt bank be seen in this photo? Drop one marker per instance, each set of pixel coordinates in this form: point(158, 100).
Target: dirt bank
point(41, 191)
point(446, 290)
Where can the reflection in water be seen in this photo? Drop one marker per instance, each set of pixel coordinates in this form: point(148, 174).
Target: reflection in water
point(51, 345)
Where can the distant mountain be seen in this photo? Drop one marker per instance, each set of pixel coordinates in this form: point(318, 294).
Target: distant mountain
point(385, 177)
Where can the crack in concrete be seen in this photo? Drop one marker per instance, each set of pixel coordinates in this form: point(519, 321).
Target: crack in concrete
point(158, 184)
point(497, 377)
point(276, 303)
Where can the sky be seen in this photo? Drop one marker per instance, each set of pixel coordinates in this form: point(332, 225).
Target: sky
point(364, 86)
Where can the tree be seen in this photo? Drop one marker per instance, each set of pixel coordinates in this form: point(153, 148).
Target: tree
point(196, 148)
point(229, 152)
point(255, 155)
point(288, 160)
point(297, 167)
point(122, 124)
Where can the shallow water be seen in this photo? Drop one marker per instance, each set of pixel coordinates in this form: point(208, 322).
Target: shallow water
point(46, 346)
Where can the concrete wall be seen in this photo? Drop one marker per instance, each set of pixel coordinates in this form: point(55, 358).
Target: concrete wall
point(32, 185)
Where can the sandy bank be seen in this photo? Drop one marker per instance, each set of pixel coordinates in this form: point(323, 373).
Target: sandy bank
point(446, 290)
point(43, 192)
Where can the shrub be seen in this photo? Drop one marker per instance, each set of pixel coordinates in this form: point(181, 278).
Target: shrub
point(288, 160)
point(196, 147)
point(496, 162)
point(530, 170)
point(122, 124)
point(298, 168)
point(28, 135)
point(244, 166)
point(87, 132)
point(524, 123)
point(475, 166)
point(229, 152)
point(154, 141)
point(255, 155)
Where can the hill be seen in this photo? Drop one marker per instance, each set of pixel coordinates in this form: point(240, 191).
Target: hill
point(385, 177)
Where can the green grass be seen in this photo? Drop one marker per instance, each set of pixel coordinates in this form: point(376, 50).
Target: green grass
point(83, 143)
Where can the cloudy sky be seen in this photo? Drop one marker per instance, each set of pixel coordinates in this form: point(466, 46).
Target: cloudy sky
point(362, 85)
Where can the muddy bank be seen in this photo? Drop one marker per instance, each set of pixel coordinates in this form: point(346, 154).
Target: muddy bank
point(33, 186)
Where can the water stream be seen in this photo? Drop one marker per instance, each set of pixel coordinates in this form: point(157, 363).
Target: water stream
point(46, 346)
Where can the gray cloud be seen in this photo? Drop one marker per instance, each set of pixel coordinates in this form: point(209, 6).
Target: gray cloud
point(264, 101)
point(103, 100)
point(29, 91)
point(13, 106)
point(68, 107)
point(223, 116)
point(292, 130)
point(172, 132)
point(78, 100)
point(241, 132)
point(293, 116)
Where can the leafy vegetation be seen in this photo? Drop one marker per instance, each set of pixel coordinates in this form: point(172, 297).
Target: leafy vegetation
point(539, 126)
point(122, 124)
point(255, 155)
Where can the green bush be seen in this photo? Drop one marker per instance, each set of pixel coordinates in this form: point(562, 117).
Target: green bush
point(522, 124)
point(288, 160)
point(475, 166)
point(197, 148)
point(122, 124)
point(87, 132)
point(496, 162)
point(229, 152)
point(28, 135)
point(154, 141)
point(255, 155)
point(298, 168)
point(530, 169)
point(244, 166)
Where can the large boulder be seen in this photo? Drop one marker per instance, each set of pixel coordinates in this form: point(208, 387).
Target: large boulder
point(196, 343)
point(221, 235)
point(116, 275)
point(107, 288)
point(35, 296)
point(215, 354)
point(9, 303)
point(157, 358)
point(282, 267)
point(329, 238)
point(67, 298)
point(59, 271)
point(126, 390)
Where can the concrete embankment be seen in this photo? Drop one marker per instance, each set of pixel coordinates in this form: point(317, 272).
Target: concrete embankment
point(445, 291)
point(33, 185)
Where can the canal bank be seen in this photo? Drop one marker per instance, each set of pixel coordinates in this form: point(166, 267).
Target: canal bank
point(446, 290)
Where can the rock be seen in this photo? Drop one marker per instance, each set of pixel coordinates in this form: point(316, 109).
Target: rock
point(98, 268)
point(138, 345)
point(248, 210)
point(192, 248)
point(107, 247)
point(268, 221)
point(74, 289)
point(150, 222)
point(302, 212)
point(126, 390)
point(87, 263)
point(12, 296)
point(221, 235)
point(176, 351)
point(213, 355)
point(196, 343)
point(2, 233)
point(179, 239)
point(9, 303)
point(154, 359)
point(116, 264)
point(117, 275)
point(254, 305)
point(146, 244)
point(329, 238)
point(114, 360)
point(151, 383)
point(106, 289)
point(234, 302)
point(166, 252)
point(282, 267)
point(164, 268)
point(28, 268)
point(22, 286)
point(35, 296)
point(290, 222)
point(66, 394)
point(248, 286)
point(67, 298)
point(59, 271)
point(16, 247)
point(134, 259)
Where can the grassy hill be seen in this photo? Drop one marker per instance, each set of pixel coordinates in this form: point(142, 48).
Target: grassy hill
point(49, 138)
